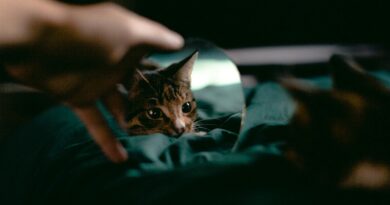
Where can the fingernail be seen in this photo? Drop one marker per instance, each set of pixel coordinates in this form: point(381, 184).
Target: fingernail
point(122, 152)
point(117, 153)
point(175, 40)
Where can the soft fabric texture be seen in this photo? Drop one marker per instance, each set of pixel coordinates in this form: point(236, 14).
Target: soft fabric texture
point(53, 160)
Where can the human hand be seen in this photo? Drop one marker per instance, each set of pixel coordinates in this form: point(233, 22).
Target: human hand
point(80, 56)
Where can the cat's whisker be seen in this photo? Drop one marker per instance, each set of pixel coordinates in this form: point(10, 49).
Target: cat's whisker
point(212, 124)
point(202, 128)
point(199, 126)
point(204, 122)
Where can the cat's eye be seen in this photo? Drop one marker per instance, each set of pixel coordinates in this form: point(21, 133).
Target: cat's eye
point(186, 107)
point(154, 113)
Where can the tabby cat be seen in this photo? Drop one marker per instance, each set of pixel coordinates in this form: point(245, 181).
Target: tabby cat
point(161, 101)
point(342, 136)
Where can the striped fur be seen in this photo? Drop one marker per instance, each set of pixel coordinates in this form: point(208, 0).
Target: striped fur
point(166, 91)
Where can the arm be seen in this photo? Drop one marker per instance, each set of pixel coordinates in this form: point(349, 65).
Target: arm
point(78, 54)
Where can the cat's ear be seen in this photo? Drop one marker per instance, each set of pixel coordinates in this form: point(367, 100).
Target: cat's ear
point(310, 101)
point(348, 75)
point(182, 70)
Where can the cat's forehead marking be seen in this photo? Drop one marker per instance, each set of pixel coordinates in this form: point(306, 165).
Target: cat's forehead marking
point(169, 92)
point(173, 92)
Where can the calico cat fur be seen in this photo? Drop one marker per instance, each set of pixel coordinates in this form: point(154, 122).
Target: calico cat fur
point(341, 136)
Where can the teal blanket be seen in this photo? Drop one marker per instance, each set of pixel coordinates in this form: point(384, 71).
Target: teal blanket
point(52, 160)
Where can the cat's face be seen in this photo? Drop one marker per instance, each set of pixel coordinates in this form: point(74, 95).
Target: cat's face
point(337, 130)
point(161, 101)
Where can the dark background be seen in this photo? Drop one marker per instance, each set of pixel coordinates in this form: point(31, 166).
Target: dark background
point(273, 22)
point(249, 23)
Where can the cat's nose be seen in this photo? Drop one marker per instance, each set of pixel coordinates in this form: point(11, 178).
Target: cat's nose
point(179, 132)
point(179, 127)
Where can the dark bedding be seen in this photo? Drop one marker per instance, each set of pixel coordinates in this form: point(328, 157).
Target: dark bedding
point(53, 160)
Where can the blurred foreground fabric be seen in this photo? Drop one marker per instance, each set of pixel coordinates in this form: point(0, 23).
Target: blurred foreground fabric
point(52, 160)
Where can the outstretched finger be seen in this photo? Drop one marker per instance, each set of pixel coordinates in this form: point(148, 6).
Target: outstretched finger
point(101, 132)
point(155, 35)
point(115, 104)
